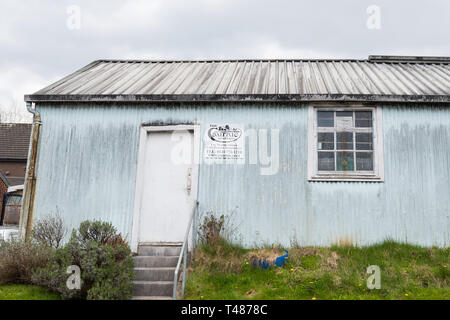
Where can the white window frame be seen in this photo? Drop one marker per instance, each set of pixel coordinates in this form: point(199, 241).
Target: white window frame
point(377, 175)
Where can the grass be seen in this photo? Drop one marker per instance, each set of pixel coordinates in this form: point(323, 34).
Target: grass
point(223, 271)
point(26, 292)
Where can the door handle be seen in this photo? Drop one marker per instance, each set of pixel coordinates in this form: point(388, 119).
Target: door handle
point(189, 181)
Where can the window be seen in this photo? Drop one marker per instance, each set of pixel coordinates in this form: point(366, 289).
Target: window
point(344, 144)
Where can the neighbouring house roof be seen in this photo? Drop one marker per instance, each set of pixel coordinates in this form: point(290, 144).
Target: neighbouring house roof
point(14, 141)
point(10, 181)
point(15, 181)
point(4, 180)
point(379, 78)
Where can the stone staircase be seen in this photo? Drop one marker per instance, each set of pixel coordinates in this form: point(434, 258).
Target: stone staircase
point(154, 267)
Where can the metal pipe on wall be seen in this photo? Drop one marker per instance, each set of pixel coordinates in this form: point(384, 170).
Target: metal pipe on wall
point(26, 213)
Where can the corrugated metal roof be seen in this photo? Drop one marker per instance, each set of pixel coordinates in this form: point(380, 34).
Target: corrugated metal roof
point(379, 78)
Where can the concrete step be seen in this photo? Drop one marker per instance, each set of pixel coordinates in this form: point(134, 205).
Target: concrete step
point(153, 288)
point(152, 298)
point(154, 274)
point(155, 261)
point(150, 250)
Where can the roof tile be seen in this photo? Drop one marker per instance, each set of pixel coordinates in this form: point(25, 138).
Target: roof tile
point(14, 141)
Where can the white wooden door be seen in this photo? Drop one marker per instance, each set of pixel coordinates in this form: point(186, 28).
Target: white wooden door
point(169, 185)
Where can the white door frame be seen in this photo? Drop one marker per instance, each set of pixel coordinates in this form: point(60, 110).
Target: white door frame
point(145, 129)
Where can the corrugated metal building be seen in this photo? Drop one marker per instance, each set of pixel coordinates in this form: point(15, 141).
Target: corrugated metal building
point(317, 151)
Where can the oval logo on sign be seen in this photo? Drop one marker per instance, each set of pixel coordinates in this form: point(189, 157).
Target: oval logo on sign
point(224, 134)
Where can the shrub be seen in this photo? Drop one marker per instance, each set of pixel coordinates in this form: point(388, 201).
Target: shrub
point(18, 260)
point(211, 229)
point(54, 274)
point(105, 261)
point(97, 231)
point(49, 231)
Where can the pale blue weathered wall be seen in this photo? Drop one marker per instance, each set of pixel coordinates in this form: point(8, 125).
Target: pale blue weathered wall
point(88, 156)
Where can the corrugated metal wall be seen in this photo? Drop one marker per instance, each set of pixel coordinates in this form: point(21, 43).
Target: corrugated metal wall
point(88, 156)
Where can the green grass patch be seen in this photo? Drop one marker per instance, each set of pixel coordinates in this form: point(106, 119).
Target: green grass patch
point(407, 272)
point(26, 292)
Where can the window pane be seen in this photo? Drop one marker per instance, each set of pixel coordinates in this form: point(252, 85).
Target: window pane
point(363, 119)
point(344, 140)
point(325, 118)
point(364, 141)
point(326, 161)
point(345, 161)
point(364, 161)
point(325, 141)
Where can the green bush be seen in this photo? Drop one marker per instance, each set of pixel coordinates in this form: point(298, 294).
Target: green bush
point(105, 261)
point(54, 274)
point(97, 231)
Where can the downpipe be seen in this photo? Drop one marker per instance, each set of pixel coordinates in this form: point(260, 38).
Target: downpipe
point(32, 110)
point(26, 213)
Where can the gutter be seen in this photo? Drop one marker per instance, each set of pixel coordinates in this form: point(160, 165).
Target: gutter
point(159, 98)
point(26, 212)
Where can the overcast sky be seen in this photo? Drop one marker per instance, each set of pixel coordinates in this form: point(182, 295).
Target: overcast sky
point(42, 41)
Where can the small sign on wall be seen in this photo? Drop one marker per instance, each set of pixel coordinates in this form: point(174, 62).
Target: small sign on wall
point(344, 123)
point(224, 143)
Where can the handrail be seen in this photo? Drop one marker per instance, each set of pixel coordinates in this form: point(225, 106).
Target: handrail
point(183, 255)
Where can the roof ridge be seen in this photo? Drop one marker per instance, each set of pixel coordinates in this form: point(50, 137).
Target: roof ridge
point(219, 60)
point(371, 58)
